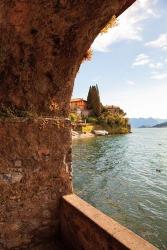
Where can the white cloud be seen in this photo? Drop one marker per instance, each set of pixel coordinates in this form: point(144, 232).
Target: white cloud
point(141, 59)
point(132, 83)
point(130, 25)
point(160, 42)
point(159, 76)
point(156, 65)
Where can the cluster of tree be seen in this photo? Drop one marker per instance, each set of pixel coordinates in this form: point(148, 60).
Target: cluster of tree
point(108, 117)
point(114, 110)
point(113, 120)
point(105, 115)
point(93, 100)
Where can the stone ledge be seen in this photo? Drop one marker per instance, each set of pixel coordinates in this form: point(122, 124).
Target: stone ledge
point(91, 228)
point(34, 119)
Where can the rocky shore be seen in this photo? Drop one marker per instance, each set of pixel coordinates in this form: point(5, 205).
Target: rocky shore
point(76, 135)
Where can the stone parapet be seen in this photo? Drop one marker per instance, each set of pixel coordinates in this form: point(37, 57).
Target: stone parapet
point(84, 227)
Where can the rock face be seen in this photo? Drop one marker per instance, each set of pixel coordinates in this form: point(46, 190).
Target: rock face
point(41, 47)
point(35, 172)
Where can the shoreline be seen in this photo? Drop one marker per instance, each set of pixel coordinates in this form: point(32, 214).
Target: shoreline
point(91, 135)
point(82, 135)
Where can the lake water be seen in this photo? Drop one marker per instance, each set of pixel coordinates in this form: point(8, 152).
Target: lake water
point(119, 175)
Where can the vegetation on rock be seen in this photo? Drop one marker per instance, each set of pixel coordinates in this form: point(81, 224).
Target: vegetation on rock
point(88, 55)
point(112, 23)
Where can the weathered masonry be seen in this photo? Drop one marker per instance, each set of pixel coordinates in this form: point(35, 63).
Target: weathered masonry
point(42, 44)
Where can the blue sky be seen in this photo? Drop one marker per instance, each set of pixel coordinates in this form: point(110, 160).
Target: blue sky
point(129, 63)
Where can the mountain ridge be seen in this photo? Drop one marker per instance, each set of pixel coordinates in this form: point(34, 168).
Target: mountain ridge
point(145, 122)
point(160, 125)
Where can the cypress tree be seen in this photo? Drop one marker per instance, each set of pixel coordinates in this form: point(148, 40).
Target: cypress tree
point(96, 102)
point(93, 100)
point(89, 99)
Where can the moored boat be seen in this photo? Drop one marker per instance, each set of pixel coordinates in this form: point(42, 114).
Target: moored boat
point(100, 132)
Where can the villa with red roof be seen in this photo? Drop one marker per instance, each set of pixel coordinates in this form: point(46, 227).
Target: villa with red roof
point(78, 103)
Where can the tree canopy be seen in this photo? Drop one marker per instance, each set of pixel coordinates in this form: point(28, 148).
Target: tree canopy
point(93, 100)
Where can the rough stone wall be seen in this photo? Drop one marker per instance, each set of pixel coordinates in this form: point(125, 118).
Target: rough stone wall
point(42, 45)
point(35, 172)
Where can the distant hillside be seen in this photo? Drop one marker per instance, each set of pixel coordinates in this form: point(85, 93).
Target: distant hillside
point(161, 125)
point(145, 122)
point(145, 126)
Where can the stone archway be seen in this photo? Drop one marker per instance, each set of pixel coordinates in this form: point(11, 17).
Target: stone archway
point(42, 44)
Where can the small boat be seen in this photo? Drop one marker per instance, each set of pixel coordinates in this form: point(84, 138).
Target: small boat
point(100, 132)
point(74, 133)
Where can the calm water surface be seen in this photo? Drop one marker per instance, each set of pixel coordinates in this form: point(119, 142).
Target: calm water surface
point(117, 174)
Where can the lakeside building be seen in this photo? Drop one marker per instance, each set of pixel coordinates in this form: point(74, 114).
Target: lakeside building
point(78, 103)
point(79, 106)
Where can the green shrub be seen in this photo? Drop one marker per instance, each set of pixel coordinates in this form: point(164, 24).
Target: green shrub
point(73, 117)
point(92, 119)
